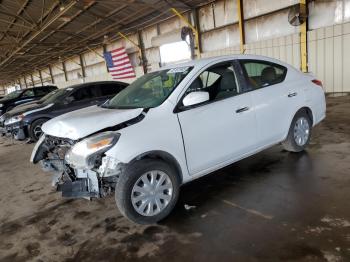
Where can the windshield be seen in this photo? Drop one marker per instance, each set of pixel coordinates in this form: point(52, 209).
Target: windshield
point(57, 95)
point(14, 94)
point(150, 90)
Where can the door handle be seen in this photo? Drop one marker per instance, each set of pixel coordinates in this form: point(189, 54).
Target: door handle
point(240, 110)
point(292, 94)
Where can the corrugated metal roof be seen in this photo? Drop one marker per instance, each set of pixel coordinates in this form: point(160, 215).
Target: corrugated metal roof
point(34, 33)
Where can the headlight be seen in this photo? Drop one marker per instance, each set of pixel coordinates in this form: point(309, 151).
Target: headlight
point(83, 154)
point(1, 105)
point(13, 120)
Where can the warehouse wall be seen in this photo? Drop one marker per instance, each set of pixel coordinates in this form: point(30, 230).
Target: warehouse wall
point(267, 32)
point(329, 56)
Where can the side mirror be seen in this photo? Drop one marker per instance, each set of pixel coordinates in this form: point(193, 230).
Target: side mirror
point(195, 98)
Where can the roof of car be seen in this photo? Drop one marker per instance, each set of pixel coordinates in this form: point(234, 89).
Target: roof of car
point(96, 82)
point(34, 87)
point(204, 61)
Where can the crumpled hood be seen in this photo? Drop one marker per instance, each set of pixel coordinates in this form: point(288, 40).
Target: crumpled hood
point(86, 121)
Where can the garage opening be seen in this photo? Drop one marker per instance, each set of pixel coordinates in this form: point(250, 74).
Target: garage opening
point(174, 52)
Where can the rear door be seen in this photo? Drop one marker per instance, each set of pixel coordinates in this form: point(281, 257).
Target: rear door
point(221, 130)
point(274, 99)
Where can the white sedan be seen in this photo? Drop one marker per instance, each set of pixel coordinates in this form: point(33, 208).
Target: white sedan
point(175, 125)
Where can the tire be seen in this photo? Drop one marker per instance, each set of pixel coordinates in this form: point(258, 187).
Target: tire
point(34, 136)
point(132, 177)
point(296, 141)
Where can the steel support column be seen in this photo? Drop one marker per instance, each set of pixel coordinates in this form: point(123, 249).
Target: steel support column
point(25, 81)
point(142, 54)
point(41, 78)
point(194, 30)
point(20, 84)
point(82, 66)
point(303, 37)
point(240, 15)
point(64, 71)
point(51, 75)
point(31, 78)
point(196, 24)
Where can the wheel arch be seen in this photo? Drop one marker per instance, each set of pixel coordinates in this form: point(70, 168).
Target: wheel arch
point(308, 111)
point(34, 119)
point(305, 109)
point(162, 155)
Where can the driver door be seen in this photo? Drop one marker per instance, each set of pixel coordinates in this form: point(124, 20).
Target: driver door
point(221, 130)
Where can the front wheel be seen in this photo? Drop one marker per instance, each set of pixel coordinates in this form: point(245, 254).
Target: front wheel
point(299, 133)
point(35, 129)
point(147, 191)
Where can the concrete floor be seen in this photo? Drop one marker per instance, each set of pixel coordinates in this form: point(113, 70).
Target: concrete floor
point(275, 206)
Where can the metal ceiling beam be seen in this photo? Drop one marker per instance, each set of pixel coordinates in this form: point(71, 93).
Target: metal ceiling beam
point(24, 5)
point(46, 15)
point(43, 27)
point(75, 44)
point(65, 23)
point(92, 24)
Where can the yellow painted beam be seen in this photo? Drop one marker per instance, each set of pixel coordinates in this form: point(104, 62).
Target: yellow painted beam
point(195, 31)
point(128, 39)
point(303, 40)
point(133, 42)
point(241, 24)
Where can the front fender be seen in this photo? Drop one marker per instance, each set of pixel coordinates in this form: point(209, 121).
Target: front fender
point(39, 151)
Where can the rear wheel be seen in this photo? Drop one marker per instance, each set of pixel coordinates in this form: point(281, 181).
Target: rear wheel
point(147, 191)
point(35, 129)
point(299, 133)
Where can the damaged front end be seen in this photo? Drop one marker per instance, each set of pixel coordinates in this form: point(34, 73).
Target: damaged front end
point(79, 168)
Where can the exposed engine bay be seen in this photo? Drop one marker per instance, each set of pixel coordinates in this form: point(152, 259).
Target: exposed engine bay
point(98, 181)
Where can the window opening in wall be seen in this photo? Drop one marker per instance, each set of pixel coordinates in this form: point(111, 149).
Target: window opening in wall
point(174, 52)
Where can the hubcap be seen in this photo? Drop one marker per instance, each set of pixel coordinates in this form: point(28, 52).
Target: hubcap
point(37, 131)
point(152, 193)
point(301, 131)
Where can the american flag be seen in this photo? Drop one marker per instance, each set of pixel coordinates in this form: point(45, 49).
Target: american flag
point(119, 64)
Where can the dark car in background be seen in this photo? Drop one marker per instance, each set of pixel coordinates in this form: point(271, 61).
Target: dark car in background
point(19, 97)
point(26, 121)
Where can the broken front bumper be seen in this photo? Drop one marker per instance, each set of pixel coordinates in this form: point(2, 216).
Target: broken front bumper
point(71, 181)
point(17, 130)
point(86, 185)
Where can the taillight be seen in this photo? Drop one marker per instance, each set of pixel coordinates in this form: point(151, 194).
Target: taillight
point(317, 82)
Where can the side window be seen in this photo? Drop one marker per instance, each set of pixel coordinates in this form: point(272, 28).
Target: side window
point(95, 91)
point(41, 91)
point(110, 89)
point(28, 93)
point(219, 81)
point(262, 73)
point(82, 94)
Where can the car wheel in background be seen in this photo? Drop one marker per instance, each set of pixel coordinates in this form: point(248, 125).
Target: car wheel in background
point(35, 129)
point(147, 191)
point(299, 133)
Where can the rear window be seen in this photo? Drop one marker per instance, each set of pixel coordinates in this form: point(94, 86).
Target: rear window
point(41, 91)
point(111, 89)
point(263, 73)
point(83, 94)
